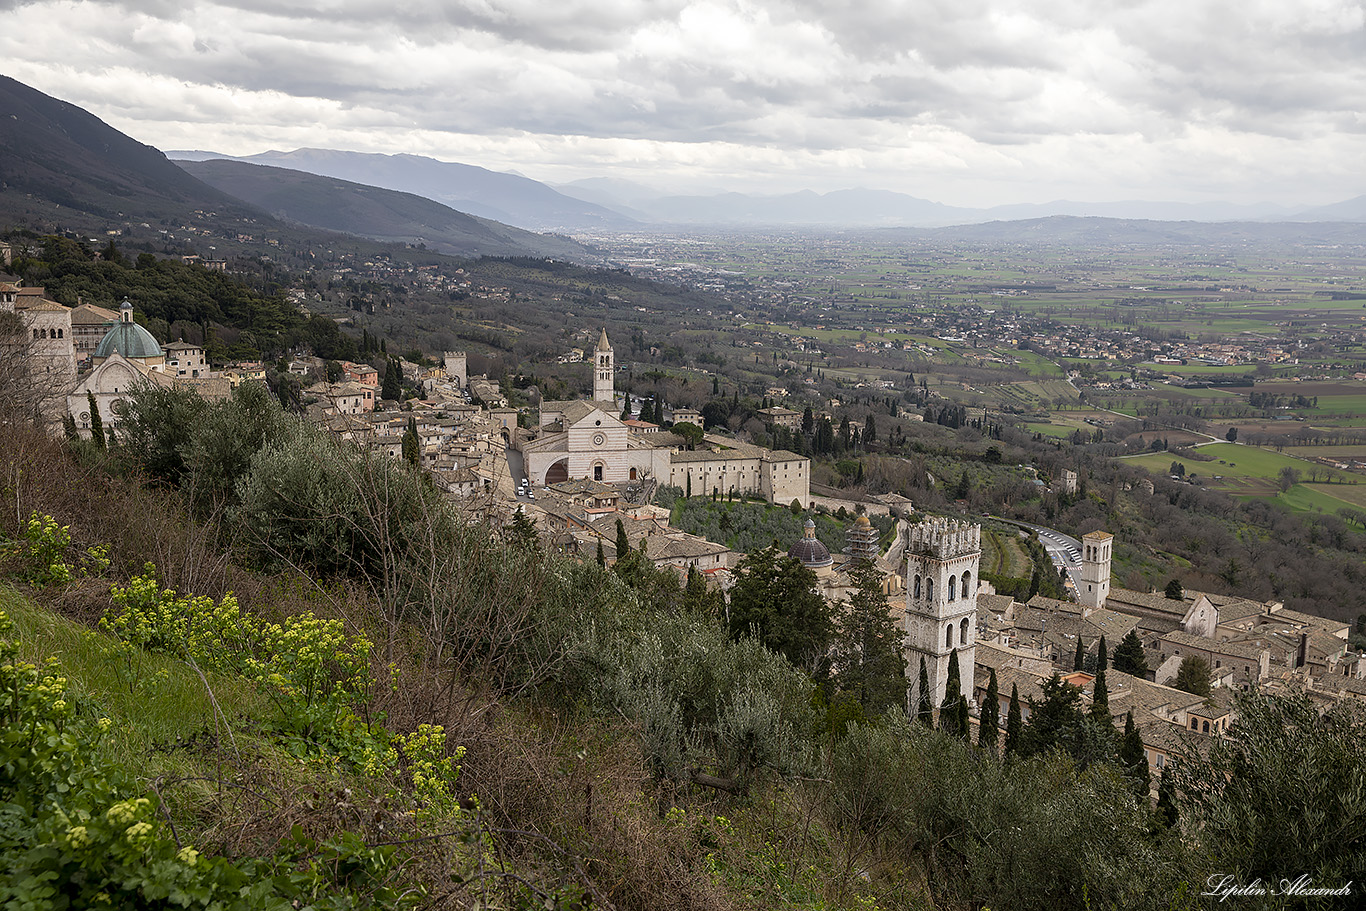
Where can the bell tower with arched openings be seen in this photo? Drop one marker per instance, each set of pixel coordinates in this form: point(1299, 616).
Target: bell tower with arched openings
point(604, 372)
point(942, 557)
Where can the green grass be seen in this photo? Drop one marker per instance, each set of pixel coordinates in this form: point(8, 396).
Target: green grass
point(1339, 404)
point(158, 700)
point(1166, 389)
point(1316, 498)
point(1232, 461)
point(1051, 430)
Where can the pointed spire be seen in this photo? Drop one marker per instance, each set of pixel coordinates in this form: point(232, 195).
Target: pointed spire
point(603, 343)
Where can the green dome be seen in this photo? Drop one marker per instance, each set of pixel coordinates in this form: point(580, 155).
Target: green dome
point(128, 338)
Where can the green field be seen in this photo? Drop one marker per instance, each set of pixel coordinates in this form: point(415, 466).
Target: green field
point(1250, 471)
point(1051, 430)
point(1357, 451)
point(1329, 498)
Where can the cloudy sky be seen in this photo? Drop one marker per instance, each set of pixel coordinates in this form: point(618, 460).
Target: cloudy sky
point(969, 102)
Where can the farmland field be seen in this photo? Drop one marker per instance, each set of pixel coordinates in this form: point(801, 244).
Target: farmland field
point(1248, 471)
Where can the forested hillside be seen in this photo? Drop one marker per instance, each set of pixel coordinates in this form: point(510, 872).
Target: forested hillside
point(241, 316)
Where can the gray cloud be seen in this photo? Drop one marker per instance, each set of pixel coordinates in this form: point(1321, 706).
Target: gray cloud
point(981, 96)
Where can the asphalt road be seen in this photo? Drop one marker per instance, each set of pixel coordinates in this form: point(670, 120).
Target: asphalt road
point(1064, 550)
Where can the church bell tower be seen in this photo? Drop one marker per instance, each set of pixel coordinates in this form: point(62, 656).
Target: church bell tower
point(1094, 585)
point(942, 557)
point(604, 372)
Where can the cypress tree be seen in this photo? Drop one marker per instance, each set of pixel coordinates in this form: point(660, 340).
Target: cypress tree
point(948, 709)
point(412, 445)
point(392, 387)
point(1079, 659)
point(1102, 657)
point(69, 427)
point(1100, 693)
point(989, 720)
point(1014, 724)
point(924, 709)
point(626, 407)
point(623, 544)
point(1100, 699)
point(602, 560)
point(96, 422)
point(1132, 758)
point(1167, 812)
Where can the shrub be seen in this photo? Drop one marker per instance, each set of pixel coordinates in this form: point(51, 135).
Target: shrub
point(74, 834)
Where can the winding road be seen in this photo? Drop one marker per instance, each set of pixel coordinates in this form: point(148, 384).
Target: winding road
point(1064, 550)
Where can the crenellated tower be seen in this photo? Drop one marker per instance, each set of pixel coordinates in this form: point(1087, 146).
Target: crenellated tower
point(942, 558)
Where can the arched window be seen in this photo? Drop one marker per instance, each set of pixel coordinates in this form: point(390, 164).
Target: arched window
point(929, 589)
point(948, 636)
point(963, 632)
point(953, 587)
point(967, 577)
point(59, 334)
point(35, 335)
point(917, 587)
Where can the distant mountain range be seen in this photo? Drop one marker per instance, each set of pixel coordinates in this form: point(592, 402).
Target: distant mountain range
point(1069, 230)
point(384, 215)
point(508, 198)
point(872, 208)
point(612, 203)
point(63, 166)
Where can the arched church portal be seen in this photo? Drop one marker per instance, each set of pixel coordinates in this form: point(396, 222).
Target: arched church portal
point(558, 472)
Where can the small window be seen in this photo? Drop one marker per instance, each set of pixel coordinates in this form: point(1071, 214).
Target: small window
point(1194, 724)
point(948, 636)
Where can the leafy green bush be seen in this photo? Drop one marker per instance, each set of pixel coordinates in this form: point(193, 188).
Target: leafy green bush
point(311, 669)
point(42, 551)
point(74, 834)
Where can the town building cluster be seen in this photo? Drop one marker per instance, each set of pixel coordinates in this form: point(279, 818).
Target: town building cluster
point(76, 355)
point(1246, 645)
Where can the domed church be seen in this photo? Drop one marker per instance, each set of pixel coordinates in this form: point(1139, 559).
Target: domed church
point(127, 355)
point(129, 340)
point(810, 552)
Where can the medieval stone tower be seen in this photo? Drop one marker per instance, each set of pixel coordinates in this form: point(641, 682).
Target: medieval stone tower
point(454, 363)
point(1094, 585)
point(942, 557)
point(604, 371)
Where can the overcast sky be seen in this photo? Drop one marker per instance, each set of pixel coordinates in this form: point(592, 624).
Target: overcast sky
point(969, 102)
